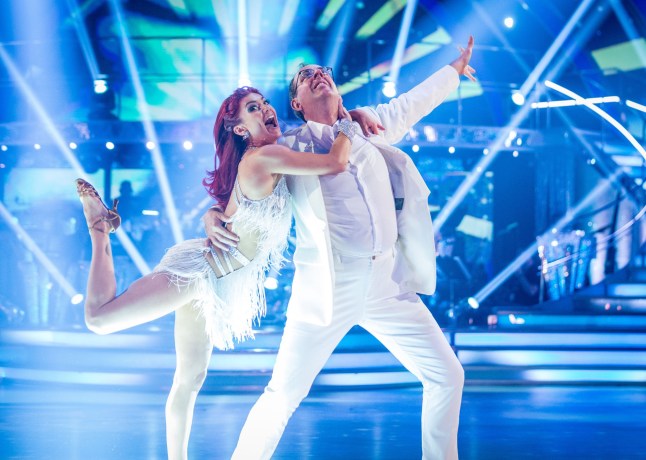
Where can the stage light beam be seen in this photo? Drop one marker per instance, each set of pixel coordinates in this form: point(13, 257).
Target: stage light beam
point(243, 50)
point(602, 113)
point(33, 248)
point(402, 37)
point(56, 136)
point(590, 25)
point(149, 129)
point(501, 277)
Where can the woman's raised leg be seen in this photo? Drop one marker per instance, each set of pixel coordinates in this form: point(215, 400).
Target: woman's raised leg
point(193, 349)
point(148, 298)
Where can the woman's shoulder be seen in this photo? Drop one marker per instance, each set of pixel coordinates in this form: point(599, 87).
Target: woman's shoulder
point(266, 150)
point(254, 179)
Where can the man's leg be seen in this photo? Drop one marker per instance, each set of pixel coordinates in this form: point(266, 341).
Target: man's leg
point(303, 351)
point(405, 326)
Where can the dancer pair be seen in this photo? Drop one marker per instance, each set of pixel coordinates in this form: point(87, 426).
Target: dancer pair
point(364, 249)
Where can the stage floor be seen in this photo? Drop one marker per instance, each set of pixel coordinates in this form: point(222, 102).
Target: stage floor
point(497, 422)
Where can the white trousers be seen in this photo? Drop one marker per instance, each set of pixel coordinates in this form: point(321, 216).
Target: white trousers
point(365, 294)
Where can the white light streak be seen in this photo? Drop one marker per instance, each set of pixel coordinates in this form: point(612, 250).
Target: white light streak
point(603, 114)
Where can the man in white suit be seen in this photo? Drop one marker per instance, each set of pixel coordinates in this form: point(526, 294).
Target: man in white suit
point(364, 249)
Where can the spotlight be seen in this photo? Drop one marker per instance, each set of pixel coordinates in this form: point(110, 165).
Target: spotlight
point(517, 98)
point(513, 319)
point(415, 148)
point(150, 212)
point(508, 22)
point(73, 145)
point(4, 148)
point(77, 299)
point(244, 81)
point(271, 283)
point(188, 145)
point(150, 145)
point(37, 146)
point(515, 153)
point(389, 89)
point(473, 303)
point(109, 145)
point(485, 151)
point(451, 150)
point(100, 86)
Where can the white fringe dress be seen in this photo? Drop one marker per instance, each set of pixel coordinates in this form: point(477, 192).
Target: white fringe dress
point(231, 304)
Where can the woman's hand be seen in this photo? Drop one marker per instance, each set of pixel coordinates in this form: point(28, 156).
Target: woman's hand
point(216, 232)
point(369, 125)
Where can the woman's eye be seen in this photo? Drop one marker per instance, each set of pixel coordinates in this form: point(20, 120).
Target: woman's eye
point(253, 108)
point(267, 102)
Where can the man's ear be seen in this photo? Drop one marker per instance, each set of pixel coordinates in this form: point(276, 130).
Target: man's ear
point(296, 105)
point(239, 130)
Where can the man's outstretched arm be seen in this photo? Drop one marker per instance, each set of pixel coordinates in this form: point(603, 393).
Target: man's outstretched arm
point(402, 112)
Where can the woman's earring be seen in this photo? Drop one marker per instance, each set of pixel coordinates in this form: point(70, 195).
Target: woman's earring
point(245, 136)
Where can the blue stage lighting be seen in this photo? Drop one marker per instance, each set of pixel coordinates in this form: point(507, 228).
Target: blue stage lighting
point(473, 303)
point(77, 299)
point(271, 283)
point(509, 22)
point(100, 86)
point(389, 89)
point(518, 98)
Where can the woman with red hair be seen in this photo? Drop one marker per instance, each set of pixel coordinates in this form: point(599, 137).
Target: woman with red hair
point(216, 294)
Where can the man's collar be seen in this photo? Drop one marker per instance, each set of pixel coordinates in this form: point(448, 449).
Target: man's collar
point(318, 129)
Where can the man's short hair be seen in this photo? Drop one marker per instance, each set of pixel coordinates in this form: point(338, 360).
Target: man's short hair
point(293, 86)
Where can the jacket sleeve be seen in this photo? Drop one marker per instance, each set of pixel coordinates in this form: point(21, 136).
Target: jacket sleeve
point(402, 112)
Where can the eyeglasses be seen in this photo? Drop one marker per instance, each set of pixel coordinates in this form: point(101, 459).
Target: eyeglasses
point(308, 73)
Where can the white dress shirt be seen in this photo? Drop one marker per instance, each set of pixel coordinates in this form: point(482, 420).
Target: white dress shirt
point(359, 201)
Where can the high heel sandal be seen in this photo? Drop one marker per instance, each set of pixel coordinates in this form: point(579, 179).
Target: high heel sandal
point(84, 188)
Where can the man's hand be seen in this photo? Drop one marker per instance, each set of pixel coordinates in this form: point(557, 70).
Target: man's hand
point(218, 235)
point(461, 64)
point(369, 125)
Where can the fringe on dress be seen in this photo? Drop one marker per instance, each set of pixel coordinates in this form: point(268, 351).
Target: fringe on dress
point(232, 304)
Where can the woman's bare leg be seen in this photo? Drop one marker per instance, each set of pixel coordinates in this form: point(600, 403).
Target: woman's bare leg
point(148, 298)
point(193, 350)
point(101, 284)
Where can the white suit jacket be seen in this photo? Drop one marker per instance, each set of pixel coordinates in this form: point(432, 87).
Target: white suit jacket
point(313, 284)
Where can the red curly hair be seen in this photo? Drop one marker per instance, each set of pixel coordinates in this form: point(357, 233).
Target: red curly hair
point(229, 147)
